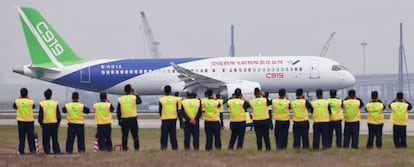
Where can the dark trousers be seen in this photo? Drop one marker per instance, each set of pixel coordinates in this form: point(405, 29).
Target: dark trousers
point(168, 127)
point(281, 134)
point(301, 131)
point(374, 131)
point(351, 130)
point(191, 130)
point(337, 127)
point(262, 132)
point(129, 125)
point(237, 132)
point(400, 135)
point(212, 129)
point(75, 130)
point(320, 130)
point(180, 119)
point(104, 137)
point(50, 131)
point(26, 129)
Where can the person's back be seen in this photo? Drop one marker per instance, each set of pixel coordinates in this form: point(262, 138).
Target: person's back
point(352, 115)
point(76, 123)
point(49, 119)
point(25, 121)
point(103, 120)
point(399, 118)
point(237, 108)
point(300, 108)
point(168, 106)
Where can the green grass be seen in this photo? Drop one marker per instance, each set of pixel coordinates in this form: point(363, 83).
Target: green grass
point(150, 154)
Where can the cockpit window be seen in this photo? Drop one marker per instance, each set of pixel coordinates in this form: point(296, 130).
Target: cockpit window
point(338, 68)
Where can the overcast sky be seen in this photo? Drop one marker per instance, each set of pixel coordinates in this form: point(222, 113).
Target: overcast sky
point(98, 29)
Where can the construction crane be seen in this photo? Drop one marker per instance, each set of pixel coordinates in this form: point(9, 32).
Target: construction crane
point(326, 46)
point(152, 44)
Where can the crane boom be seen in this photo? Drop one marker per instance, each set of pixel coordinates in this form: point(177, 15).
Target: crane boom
point(326, 46)
point(152, 44)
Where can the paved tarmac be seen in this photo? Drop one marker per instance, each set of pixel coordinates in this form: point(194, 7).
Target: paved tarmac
point(156, 123)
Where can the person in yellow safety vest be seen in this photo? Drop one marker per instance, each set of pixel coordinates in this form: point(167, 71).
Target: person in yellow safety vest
point(25, 121)
point(237, 109)
point(179, 109)
point(352, 115)
point(399, 118)
point(191, 114)
point(281, 116)
point(76, 123)
point(213, 121)
point(103, 119)
point(49, 119)
point(127, 116)
point(300, 108)
point(335, 118)
point(168, 106)
point(375, 110)
point(261, 119)
point(320, 116)
point(269, 107)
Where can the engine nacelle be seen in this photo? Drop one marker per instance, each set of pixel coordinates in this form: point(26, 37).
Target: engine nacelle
point(247, 88)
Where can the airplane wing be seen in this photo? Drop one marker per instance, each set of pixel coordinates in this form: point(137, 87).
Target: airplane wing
point(193, 80)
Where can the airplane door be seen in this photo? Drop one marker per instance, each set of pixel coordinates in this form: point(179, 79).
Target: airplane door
point(85, 75)
point(314, 70)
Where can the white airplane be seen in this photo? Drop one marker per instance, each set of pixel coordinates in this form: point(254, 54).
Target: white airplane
point(54, 61)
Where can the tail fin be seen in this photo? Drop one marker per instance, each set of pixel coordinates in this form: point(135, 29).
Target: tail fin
point(47, 48)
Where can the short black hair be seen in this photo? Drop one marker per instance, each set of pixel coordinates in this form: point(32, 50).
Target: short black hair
point(189, 94)
point(256, 91)
point(23, 92)
point(75, 96)
point(282, 92)
point(332, 93)
point(237, 92)
point(48, 93)
point(374, 94)
point(102, 96)
point(351, 93)
point(319, 93)
point(167, 89)
point(299, 92)
point(177, 94)
point(127, 88)
point(209, 92)
point(400, 95)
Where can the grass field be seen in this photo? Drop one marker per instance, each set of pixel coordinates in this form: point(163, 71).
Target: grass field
point(150, 154)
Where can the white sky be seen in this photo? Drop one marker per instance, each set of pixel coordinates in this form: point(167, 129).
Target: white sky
point(98, 29)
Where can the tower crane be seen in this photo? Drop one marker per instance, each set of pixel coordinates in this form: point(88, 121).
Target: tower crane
point(326, 46)
point(152, 44)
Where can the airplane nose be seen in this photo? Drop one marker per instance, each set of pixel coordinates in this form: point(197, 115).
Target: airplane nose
point(18, 69)
point(349, 79)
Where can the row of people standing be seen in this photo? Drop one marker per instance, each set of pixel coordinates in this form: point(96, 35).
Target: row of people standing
point(50, 117)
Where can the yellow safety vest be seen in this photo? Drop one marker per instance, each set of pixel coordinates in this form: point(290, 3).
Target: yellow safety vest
point(236, 109)
point(351, 110)
point(103, 114)
point(375, 113)
point(24, 109)
point(221, 102)
point(300, 112)
point(248, 118)
point(169, 107)
point(179, 101)
point(75, 112)
point(128, 106)
point(259, 109)
point(399, 114)
point(49, 111)
point(281, 109)
point(211, 112)
point(320, 110)
point(202, 101)
point(336, 109)
point(191, 107)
